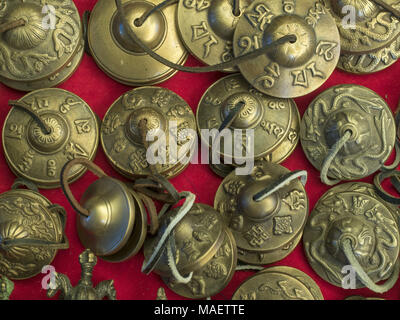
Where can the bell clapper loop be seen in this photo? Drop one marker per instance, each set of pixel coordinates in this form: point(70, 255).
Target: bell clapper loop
point(331, 155)
point(363, 276)
point(282, 182)
point(11, 25)
point(21, 182)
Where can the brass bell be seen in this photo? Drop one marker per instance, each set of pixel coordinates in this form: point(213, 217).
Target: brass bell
point(124, 60)
point(40, 45)
point(113, 220)
point(352, 226)
point(31, 232)
point(278, 283)
point(297, 66)
point(347, 132)
point(131, 120)
point(45, 129)
point(266, 211)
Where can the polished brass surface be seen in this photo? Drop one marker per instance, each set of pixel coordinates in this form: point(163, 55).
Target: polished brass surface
point(84, 290)
point(214, 276)
point(207, 27)
point(269, 117)
point(269, 226)
point(120, 57)
point(34, 55)
point(25, 215)
point(6, 288)
point(295, 68)
point(112, 212)
point(160, 109)
point(278, 283)
point(355, 109)
point(374, 28)
point(197, 238)
point(39, 157)
point(351, 211)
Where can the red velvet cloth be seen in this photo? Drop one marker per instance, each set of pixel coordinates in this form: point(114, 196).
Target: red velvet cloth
point(99, 91)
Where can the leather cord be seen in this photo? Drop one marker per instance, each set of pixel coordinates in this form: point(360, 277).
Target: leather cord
point(378, 179)
point(139, 21)
point(21, 182)
point(24, 107)
point(388, 7)
point(11, 25)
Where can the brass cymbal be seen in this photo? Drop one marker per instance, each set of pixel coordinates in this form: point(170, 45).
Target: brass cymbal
point(161, 109)
point(292, 69)
point(120, 57)
point(207, 27)
point(355, 109)
point(36, 55)
point(39, 157)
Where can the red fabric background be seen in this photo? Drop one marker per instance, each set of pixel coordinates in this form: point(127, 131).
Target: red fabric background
point(99, 91)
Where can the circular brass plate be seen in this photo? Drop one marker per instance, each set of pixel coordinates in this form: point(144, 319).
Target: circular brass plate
point(373, 29)
point(214, 276)
point(278, 283)
point(292, 69)
point(24, 215)
point(162, 109)
point(207, 27)
point(119, 57)
point(33, 54)
point(112, 212)
point(39, 157)
point(362, 112)
point(269, 118)
point(270, 224)
point(346, 211)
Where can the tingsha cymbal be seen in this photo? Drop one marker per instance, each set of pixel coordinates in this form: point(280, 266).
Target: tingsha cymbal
point(278, 283)
point(355, 118)
point(162, 111)
point(207, 27)
point(123, 59)
point(374, 27)
point(31, 231)
point(269, 118)
point(268, 226)
point(39, 156)
point(350, 226)
point(35, 54)
point(294, 68)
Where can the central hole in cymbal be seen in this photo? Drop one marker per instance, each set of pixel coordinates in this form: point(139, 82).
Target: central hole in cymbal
point(236, 14)
point(293, 39)
point(137, 22)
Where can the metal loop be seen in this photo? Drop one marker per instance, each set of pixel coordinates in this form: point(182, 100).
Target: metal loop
point(21, 182)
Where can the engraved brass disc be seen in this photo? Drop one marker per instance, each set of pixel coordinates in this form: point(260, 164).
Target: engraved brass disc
point(214, 276)
point(162, 110)
point(39, 157)
point(351, 211)
point(112, 212)
point(371, 62)
point(120, 57)
point(207, 27)
point(296, 68)
point(278, 283)
point(374, 27)
point(37, 55)
point(351, 108)
point(269, 225)
point(269, 118)
point(197, 238)
point(24, 214)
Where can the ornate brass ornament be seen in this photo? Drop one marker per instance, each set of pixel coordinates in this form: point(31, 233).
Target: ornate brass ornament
point(268, 228)
point(31, 232)
point(134, 117)
point(352, 225)
point(6, 288)
point(295, 68)
point(278, 283)
point(347, 132)
point(84, 290)
point(120, 57)
point(207, 27)
point(37, 155)
point(34, 54)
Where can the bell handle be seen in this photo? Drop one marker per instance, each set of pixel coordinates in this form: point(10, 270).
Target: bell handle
point(65, 185)
point(21, 182)
point(282, 182)
point(363, 276)
point(395, 179)
point(5, 244)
